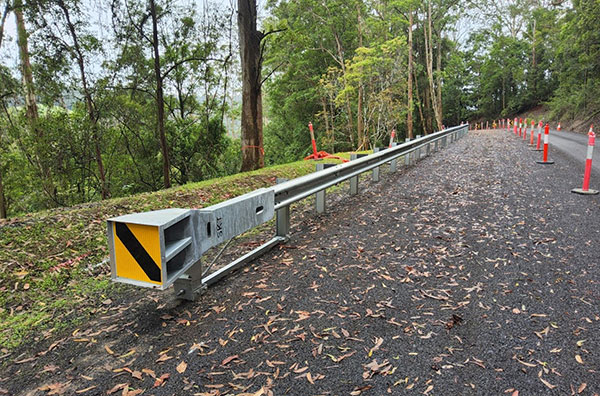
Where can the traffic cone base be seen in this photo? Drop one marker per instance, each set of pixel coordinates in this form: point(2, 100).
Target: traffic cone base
point(584, 192)
point(549, 162)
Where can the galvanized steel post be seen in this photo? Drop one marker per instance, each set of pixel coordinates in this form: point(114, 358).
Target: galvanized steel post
point(394, 163)
point(354, 179)
point(283, 217)
point(375, 173)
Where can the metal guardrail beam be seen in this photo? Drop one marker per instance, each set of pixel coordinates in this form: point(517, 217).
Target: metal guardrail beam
point(302, 187)
point(162, 248)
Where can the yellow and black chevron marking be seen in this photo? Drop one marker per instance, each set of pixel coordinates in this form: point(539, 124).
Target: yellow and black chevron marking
point(137, 252)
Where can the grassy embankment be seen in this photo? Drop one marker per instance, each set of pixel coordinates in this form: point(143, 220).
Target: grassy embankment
point(54, 264)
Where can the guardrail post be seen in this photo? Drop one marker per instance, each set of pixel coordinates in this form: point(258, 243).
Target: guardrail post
point(375, 173)
point(283, 217)
point(417, 156)
point(353, 180)
point(428, 149)
point(394, 163)
point(189, 285)
point(407, 156)
point(320, 196)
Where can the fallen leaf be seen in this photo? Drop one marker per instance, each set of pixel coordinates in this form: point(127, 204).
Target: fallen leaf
point(181, 367)
point(85, 389)
point(56, 388)
point(228, 360)
point(581, 387)
point(117, 388)
point(161, 380)
point(542, 333)
point(163, 358)
point(548, 384)
point(526, 364)
point(149, 372)
point(127, 392)
point(579, 359)
point(378, 342)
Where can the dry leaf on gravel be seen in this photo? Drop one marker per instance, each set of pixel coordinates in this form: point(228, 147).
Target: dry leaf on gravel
point(228, 360)
point(160, 381)
point(181, 367)
point(117, 387)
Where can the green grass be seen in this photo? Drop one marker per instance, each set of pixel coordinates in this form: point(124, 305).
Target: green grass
point(54, 269)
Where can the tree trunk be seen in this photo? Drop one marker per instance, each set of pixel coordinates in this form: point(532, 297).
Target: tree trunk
point(534, 62)
point(22, 40)
point(420, 103)
point(342, 63)
point(360, 125)
point(31, 110)
point(429, 65)
point(160, 104)
point(251, 64)
point(89, 103)
point(332, 114)
point(326, 119)
point(439, 83)
point(503, 92)
point(409, 115)
point(3, 20)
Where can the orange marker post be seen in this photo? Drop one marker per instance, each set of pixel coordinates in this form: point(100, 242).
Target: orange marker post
point(585, 189)
point(545, 160)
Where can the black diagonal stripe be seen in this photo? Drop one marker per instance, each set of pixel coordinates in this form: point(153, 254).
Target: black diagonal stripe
point(138, 252)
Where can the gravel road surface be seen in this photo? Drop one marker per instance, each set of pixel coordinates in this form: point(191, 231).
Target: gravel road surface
point(475, 272)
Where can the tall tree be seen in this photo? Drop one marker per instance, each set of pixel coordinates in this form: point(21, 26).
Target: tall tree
point(251, 53)
point(90, 105)
point(31, 108)
point(363, 135)
point(160, 103)
point(409, 114)
point(428, 35)
point(5, 11)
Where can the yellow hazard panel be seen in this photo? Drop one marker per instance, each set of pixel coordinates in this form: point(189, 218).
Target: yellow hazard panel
point(137, 252)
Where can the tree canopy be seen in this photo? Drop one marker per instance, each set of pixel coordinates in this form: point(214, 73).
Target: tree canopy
point(116, 97)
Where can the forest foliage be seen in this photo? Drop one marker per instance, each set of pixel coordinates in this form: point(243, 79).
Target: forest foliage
point(123, 96)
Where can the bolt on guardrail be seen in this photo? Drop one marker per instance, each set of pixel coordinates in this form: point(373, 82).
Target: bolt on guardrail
point(162, 248)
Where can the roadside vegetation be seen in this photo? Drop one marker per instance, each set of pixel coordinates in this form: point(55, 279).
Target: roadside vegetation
point(104, 100)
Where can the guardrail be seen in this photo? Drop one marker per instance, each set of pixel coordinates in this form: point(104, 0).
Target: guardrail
point(163, 248)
